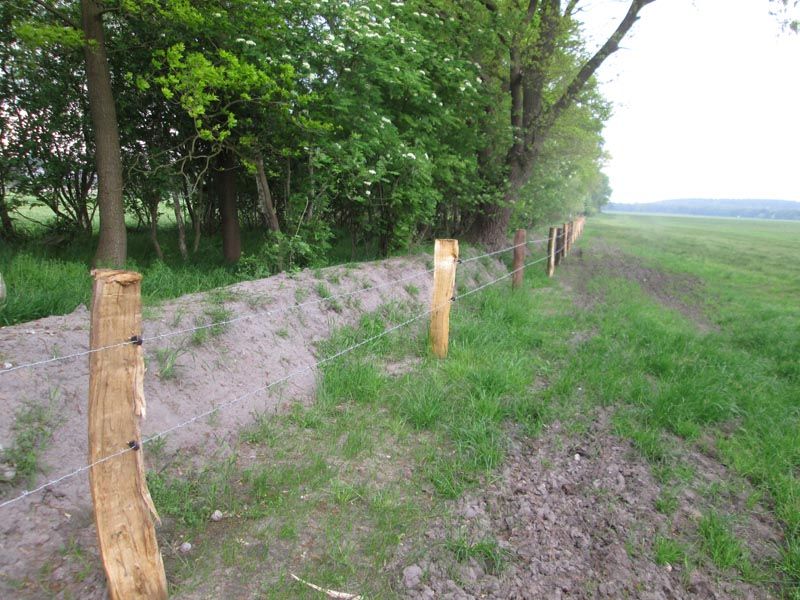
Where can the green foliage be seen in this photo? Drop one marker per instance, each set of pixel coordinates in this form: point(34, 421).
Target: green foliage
point(33, 426)
point(486, 551)
point(384, 122)
point(279, 253)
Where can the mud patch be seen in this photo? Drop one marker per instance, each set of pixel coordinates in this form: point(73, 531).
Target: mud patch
point(570, 516)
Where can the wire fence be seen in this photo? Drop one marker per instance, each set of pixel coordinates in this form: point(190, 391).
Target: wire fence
point(238, 399)
point(260, 315)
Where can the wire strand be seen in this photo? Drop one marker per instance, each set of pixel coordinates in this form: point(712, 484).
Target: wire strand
point(215, 323)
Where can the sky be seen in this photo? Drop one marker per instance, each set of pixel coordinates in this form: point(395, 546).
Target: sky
point(706, 97)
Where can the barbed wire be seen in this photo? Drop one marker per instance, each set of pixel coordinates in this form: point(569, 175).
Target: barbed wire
point(224, 322)
point(238, 399)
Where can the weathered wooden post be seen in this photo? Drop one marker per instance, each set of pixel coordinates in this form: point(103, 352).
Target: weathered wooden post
point(519, 258)
point(445, 258)
point(571, 235)
point(559, 244)
point(551, 251)
point(123, 509)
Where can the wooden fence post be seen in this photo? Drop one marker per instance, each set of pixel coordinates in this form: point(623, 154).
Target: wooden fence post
point(571, 234)
point(559, 242)
point(123, 509)
point(551, 251)
point(519, 258)
point(445, 258)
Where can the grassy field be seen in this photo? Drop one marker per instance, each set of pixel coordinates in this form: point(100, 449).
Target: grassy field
point(385, 448)
point(686, 330)
point(732, 389)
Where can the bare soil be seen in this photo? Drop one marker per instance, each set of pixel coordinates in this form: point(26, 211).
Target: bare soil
point(41, 531)
point(574, 516)
point(680, 292)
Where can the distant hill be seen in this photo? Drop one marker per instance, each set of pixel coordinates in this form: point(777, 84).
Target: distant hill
point(746, 209)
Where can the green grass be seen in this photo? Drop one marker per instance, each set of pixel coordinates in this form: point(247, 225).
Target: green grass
point(720, 379)
point(167, 359)
point(354, 469)
point(32, 270)
point(487, 551)
point(33, 427)
point(718, 541)
point(191, 498)
point(39, 262)
point(728, 383)
point(667, 551)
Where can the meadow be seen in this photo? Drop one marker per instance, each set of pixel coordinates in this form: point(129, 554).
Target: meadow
point(685, 331)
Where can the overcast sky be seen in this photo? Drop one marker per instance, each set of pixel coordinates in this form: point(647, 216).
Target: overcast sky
point(706, 98)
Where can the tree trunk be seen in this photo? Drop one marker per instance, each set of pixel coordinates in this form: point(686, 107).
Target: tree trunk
point(152, 201)
point(176, 205)
point(112, 246)
point(6, 224)
point(265, 196)
point(531, 120)
point(197, 225)
point(195, 210)
point(231, 239)
point(491, 226)
point(287, 188)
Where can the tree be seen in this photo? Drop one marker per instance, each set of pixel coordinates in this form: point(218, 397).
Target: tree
point(112, 247)
point(51, 24)
point(48, 142)
point(534, 36)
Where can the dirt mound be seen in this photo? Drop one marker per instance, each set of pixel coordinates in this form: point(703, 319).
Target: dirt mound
point(187, 374)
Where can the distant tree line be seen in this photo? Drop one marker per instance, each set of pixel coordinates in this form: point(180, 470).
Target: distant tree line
point(716, 207)
point(381, 120)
